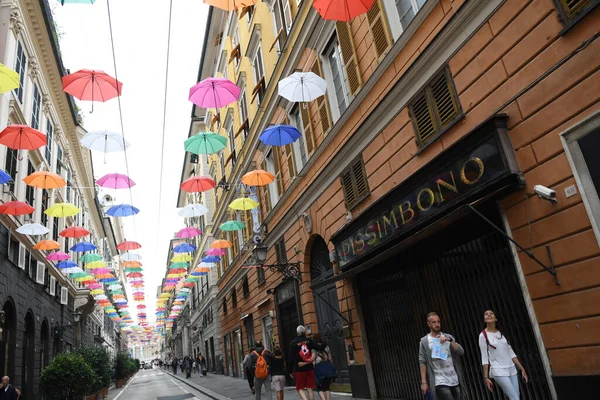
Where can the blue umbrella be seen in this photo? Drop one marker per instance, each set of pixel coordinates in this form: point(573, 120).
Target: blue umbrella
point(184, 248)
point(4, 177)
point(211, 259)
point(66, 264)
point(280, 135)
point(194, 273)
point(84, 246)
point(122, 210)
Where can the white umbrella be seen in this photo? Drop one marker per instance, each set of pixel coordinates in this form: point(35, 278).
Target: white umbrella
point(32, 229)
point(115, 286)
point(130, 257)
point(193, 210)
point(302, 87)
point(104, 141)
point(71, 270)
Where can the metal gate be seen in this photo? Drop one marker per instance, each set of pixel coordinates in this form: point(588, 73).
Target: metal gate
point(329, 320)
point(459, 273)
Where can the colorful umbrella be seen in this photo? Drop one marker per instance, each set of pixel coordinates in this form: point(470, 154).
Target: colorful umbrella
point(9, 79)
point(16, 208)
point(71, 270)
point(197, 184)
point(45, 180)
point(302, 87)
point(83, 246)
point(220, 244)
point(87, 84)
point(4, 177)
point(74, 232)
point(193, 210)
point(189, 232)
point(132, 264)
point(62, 210)
point(122, 210)
point(232, 226)
point(66, 264)
point(130, 257)
point(211, 259)
point(90, 257)
point(342, 10)
point(57, 256)
point(215, 252)
point(22, 137)
point(280, 135)
point(184, 248)
point(230, 5)
point(104, 141)
point(214, 93)
point(181, 258)
point(243, 204)
point(47, 245)
point(115, 181)
point(205, 143)
point(258, 177)
point(128, 245)
point(63, 2)
point(32, 229)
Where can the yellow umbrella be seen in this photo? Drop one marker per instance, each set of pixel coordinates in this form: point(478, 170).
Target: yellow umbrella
point(181, 258)
point(45, 180)
point(243, 204)
point(258, 178)
point(95, 264)
point(62, 210)
point(9, 79)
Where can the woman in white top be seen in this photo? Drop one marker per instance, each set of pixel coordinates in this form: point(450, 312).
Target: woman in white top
point(498, 359)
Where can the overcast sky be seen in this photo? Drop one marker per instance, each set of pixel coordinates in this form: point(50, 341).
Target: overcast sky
point(140, 30)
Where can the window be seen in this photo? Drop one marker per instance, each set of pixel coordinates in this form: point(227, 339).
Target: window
point(225, 306)
point(291, 160)
point(259, 76)
point(282, 22)
point(20, 68)
point(236, 51)
point(248, 11)
point(245, 287)
point(231, 137)
point(280, 251)
point(59, 164)
point(270, 164)
point(333, 54)
point(29, 192)
point(266, 196)
point(249, 326)
point(571, 11)
point(260, 276)
point(12, 162)
point(45, 197)
point(276, 153)
point(300, 144)
point(55, 230)
point(244, 123)
point(435, 108)
point(49, 133)
point(233, 297)
point(354, 183)
point(37, 105)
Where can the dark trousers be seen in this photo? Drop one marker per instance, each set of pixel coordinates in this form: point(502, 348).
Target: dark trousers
point(250, 378)
point(448, 392)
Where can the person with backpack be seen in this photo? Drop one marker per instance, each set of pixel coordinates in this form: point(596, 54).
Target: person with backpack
point(300, 363)
point(325, 371)
point(248, 368)
point(498, 359)
point(260, 360)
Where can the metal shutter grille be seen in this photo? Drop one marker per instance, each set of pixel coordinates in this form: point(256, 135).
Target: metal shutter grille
point(378, 30)
point(324, 114)
point(422, 117)
point(307, 125)
point(444, 101)
point(349, 55)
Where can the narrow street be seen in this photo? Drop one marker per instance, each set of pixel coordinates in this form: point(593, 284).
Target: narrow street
point(154, 384)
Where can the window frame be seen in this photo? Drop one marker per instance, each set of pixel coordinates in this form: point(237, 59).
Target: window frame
point(21, 69)
point(569, 21)
point(391, 10)
point(333, 45)
point(300, 144)
point(36, 107)
point(270, 162)
point(49, 140)
point(260, 81)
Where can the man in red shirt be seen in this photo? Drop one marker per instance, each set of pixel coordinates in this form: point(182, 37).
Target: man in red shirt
point(301, 363)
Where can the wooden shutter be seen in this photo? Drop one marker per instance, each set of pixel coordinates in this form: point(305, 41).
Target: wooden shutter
point(280, 251)
point(291, 162)
point(354, 182)
point(266, 197)
point(379, 28)
point(422, 117)
point(322, 104)
point(309, 136)
point(278, 174)
point(344, 35)
point(444, 99)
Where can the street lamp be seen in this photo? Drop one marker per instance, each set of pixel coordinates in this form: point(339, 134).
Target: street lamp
point(259, 256)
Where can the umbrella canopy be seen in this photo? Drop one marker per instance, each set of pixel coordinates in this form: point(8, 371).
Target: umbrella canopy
point(130, 264)
point(214, 93)
point(93, 85)
point(211, 259)
point(63, 2)
point(220, 244)
point(62, 210)
point(129, 245)
point(280, 135)
point(115, 181)
point(9, 79)
point(189, 232)
point(193, 210)
point(71, 270)
point(45, 180)
point(302, 87)
point(243, 204)
point(342, 10)
point(258, 177)
point(230, 5)
point(16, 208)
point(47, 245)
point(181, 258)
point(232, 226)
point(74, 232)
point(104, 141)
point(22, 137)
point(122, 210)
point(215, 252)
point(90, 257)
point(32, 229)
point(130, 257)
point(4, 177)
point(57, 256)
point(83, 246)
point(184, 248)
point(205, 143)
point(197, 184)
point(66, 264)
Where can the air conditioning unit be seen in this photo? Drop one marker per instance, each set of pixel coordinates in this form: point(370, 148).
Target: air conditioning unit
point(40, 273)
point(22, 256)
point(52, 286)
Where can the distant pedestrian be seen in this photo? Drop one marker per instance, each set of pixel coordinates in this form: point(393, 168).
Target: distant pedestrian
point(498, 359)
point(174, 365)
point(8, 391)
point(325, 372)
point(248, 372)
point(181, 365)
point(439, 362)
point(260, 360)
point(301, 363)
point(202, 363)
point(187, 364)
point(278, 373)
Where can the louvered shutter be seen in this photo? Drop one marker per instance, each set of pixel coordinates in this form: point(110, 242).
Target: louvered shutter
point(64, 295)
point(278, 174)
point(348, 185)
point(344, 35)
point(40, 275)
point(22, 262)
point(291, 162)
point(354, 183)
point(422, 117)
point(443, 97)
point(360, 179)
point(309, 136)
point(52, 286)
point(266, 195)
point(379, 27)
point(323, 106)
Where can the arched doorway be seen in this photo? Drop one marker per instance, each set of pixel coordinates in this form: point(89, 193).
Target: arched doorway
point(44, 345)
point(28, 357)
point(329, 321)
point(8, 320)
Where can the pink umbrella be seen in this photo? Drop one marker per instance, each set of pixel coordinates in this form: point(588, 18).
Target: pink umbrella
point(187, 233)
point(94, 286)
point(57, 256)
point(115, 181)
point(214, 93)
point(215, 252)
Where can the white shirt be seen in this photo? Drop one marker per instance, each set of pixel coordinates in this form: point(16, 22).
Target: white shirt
point(500, 358)
point(443, 370)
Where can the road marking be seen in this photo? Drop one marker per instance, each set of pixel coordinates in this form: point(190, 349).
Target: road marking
point(126, 386)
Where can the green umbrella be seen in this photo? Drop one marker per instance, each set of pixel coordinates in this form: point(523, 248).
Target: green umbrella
point(133, 269)
point(179, 265)
point(116, 291)
point(232, 226)
point(90, 257)
point(205, 143)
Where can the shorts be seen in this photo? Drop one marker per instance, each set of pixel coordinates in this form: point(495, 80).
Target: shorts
point(305, 380)
point(278, 382)
point(324, 385)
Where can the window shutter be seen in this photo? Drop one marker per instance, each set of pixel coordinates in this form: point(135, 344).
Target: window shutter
point(354, 183)
point(360, 179)
point(289, 151)
point(280, 251)
point(40, 273)
point(278, 174)
point(64, 295)
point(52, 286)
point(444, 100)
point(307, 125)
point(22, 256)
point(422, 118)
point(379, 28)
point(324, 113)
point(266, 198)
point(344, 35)
point(348, 185)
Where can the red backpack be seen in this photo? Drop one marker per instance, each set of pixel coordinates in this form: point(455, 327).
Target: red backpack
point(261, 370)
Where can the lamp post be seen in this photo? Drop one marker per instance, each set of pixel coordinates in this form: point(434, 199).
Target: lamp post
point(77, 319)
point(259, 256)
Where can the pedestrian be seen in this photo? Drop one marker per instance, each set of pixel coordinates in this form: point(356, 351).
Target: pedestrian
point(248, 369)
point(181, 365)
point(8, 391)
point(188, 366)
point(260, 361)
point(194, 367)
point(498, 359)
point(301, 363)
point(198, 358)
point(203, 368)
point(439, 362)
point(174, 365)
point(278, 373)
point(325, 372)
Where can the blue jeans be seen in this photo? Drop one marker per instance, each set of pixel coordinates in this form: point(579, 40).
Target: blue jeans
point(444, 392)
point(509, 385)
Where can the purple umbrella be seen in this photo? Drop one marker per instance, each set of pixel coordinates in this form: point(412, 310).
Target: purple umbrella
point(115, 181)
point(214, 93)
point(57, 256)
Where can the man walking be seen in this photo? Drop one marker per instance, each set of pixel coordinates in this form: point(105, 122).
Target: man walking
point(8, 391)
point(439, 362)
point(301, 363)
point(260, 361)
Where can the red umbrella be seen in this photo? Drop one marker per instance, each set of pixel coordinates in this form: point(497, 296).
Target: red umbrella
point(22, 137)
point(88, 84)
point(198, 184)
point(342, 10)
point(128, 245)
point(74, 232)
point(16, 208)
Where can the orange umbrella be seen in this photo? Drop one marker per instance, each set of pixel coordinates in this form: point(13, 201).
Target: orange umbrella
point(47, 245)
point(45, 180)
point(230, 5)
point(220, 244)
point(258, 178)
point(74, 232)
point(16, 208)
point(132, 264)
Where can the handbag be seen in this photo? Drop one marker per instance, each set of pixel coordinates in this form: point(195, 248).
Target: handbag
point(325, 369)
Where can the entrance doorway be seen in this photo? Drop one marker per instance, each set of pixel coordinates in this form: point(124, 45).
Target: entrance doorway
point(28, 357)
point(288, 317)
point(329, 321)
point(459, 273)
point(8, 337)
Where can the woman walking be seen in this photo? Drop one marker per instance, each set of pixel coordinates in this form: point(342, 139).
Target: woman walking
point(278, 372)
point(498, 359)
point(324, 370)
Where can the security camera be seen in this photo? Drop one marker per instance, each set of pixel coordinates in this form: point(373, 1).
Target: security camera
point(545, 193)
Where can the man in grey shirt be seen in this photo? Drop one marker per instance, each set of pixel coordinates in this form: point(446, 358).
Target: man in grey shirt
point(439, 363)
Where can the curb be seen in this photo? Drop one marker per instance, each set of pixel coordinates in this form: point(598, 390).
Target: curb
point(201, 389)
